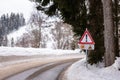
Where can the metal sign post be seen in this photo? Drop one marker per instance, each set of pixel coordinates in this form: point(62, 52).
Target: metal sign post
point(86, 43)
point(86, 57)
point(86, 54)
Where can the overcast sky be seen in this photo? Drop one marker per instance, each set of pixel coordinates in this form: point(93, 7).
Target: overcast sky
point(16, 6)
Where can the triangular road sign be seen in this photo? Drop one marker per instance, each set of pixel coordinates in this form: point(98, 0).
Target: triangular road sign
point(86, 38)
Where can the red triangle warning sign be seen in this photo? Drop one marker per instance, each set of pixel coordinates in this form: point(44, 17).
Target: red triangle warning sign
point(86, 38)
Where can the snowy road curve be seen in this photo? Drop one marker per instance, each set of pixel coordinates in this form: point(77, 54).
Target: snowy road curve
point(50, 71)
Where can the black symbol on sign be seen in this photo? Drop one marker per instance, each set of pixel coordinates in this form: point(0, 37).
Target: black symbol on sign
point(86, 38)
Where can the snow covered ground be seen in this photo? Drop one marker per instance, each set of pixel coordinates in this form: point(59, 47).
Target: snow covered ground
point(17, 34)
point(13, 55)
point(19, 51)
point(43, 56)
point(79, 71)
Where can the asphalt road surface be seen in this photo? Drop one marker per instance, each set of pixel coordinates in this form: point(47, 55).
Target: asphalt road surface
point(49, 71)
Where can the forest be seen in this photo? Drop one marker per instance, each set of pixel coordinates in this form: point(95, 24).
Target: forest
point(9, 23)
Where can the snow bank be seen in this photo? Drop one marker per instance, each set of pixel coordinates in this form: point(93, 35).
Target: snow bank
point(18, 51)
point(117, 63)
point(79, 71)
point(17, 34)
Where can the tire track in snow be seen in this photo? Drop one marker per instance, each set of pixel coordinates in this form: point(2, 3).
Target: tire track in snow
point(34, 72)
point(43, 71)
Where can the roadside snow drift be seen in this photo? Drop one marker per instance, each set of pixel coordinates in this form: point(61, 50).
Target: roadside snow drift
point(79, 71)
point(17, 51)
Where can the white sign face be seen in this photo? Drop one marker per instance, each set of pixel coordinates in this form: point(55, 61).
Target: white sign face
point(86, 41)
point(86, 38)
point(86, 46)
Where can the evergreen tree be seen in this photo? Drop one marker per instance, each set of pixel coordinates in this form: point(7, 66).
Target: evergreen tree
point(95, 20)
point(10, 23)
point(116, 12)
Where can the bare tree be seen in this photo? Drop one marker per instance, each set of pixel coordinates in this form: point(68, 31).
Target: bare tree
point(108, 33)
point(36, 38)
point(37, 21)
point(62, 35)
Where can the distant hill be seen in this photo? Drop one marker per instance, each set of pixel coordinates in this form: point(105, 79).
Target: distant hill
point(9, 23)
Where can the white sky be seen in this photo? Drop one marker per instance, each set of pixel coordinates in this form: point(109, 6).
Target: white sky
point(16, 6)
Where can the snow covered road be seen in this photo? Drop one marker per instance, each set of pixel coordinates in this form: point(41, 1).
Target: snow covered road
point(49, 71)
point(16, 60)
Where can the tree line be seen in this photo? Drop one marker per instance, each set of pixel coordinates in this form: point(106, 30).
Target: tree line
point(9, 23)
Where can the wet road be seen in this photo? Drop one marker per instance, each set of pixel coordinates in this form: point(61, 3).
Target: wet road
point(49, 71)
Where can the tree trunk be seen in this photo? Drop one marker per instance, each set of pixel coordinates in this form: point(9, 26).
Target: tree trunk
point(108, 33)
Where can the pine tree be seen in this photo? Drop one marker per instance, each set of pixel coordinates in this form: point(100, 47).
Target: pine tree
point(116, 10)
point(9, 24)
point(95, 26)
